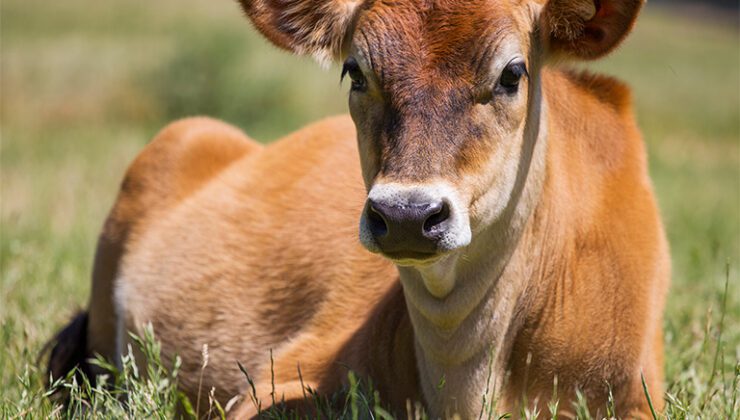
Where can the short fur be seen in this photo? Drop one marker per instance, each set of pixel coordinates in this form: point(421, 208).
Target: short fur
point(588, 29)
point(315, 27)
point(253, 250)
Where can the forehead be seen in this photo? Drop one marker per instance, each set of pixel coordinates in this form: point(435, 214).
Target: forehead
point(437, 35)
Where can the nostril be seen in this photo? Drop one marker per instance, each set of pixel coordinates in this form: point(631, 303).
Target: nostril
point(376, 223)
point(440, 212)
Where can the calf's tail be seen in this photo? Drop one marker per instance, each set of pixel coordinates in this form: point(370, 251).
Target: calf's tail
point(68, 350)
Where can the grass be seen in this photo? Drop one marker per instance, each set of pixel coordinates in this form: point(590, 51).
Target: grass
point(86, 84)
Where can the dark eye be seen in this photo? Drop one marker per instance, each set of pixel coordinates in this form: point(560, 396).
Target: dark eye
point(359, 83)
point(510, 77)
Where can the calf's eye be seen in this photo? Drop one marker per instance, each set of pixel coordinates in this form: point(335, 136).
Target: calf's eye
point(511, 76)
point(351, 68)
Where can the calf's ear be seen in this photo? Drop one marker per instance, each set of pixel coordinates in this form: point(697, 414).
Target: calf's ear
point(587, 29)
point(318, 28)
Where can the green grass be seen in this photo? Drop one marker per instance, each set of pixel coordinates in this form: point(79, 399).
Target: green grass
point(86, 84)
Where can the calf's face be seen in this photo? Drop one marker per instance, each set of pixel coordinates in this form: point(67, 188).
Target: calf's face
point(446, 99)
point(439, 95)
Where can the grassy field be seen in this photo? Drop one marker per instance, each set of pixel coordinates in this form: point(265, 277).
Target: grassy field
point(86, 84)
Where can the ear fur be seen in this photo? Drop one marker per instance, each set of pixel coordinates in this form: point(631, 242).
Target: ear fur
point(587, 29)
point(306, 27)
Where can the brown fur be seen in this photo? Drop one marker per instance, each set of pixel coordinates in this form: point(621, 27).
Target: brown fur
point(571, 33)
point(249, 249)
point(314, 27)
point(574, 330)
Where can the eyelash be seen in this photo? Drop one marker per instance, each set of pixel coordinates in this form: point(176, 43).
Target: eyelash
point(510, 77)
point(508, 82)
point(359, 83)
point(503, 86)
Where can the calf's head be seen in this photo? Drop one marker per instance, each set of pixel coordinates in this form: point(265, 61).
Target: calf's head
point(446, 99)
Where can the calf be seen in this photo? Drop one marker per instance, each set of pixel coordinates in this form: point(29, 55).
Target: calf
point(514, 242)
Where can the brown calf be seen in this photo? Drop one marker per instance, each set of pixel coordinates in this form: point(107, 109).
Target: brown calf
point(515, 241)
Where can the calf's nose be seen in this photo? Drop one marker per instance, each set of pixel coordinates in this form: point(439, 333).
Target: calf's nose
point(407, 230)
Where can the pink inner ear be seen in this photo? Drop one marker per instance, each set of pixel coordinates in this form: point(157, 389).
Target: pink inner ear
point(594, 29)
point(611, 22)
point(602, 10)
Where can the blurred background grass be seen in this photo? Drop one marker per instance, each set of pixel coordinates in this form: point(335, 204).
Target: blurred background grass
point(86, 84)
